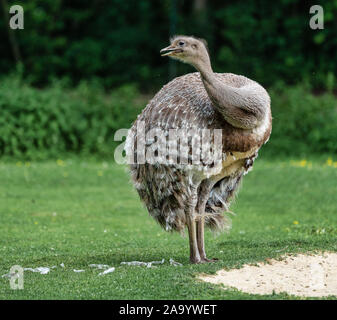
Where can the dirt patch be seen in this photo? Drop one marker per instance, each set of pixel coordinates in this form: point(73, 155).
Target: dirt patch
point(299, 275)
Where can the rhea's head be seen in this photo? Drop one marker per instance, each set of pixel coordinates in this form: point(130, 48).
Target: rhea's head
point(190, 50)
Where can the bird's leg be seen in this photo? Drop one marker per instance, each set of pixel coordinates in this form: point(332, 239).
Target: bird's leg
point(201, 241)
point(199, 226)
point(191, 225)
point(205, 189)
point(200, 237)
point(194, 252)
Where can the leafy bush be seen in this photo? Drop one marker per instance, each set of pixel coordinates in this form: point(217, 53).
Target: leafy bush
point(44, 123)
point(303, 122)
point(40, 123)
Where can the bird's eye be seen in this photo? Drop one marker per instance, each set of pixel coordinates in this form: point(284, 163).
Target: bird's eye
point(181, 43)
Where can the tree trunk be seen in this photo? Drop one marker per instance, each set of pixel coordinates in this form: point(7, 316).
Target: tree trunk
point(199, 5)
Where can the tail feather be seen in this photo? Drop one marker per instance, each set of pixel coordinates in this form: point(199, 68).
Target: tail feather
point(219, 201)
point(218, 222)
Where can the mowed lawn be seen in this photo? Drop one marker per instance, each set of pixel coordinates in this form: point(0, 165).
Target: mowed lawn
point(80, 212)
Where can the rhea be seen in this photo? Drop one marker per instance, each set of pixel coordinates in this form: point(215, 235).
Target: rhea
point(182, 194)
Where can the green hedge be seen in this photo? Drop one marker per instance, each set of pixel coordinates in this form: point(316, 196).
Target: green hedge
point(44, 123)
point(37, 123)
point(303, 122)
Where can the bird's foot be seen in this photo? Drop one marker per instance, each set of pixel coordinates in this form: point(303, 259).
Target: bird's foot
point(206, 260)
point(195, 260)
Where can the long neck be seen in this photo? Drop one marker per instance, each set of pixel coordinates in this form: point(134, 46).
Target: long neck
point(203, 65)
point(238, 106)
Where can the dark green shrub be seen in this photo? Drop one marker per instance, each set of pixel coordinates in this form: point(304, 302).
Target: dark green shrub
point(119, 41)
point(40, 123)
point(303, 123)
point(44, 123)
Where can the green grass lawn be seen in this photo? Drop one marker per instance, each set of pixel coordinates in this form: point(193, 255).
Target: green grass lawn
point(81, 212)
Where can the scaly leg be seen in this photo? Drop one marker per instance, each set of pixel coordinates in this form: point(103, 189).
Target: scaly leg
point(204, 192)
point(200, 238)
point(194, 252)
point(201, 241)
point(191, 225)
point(205, 189)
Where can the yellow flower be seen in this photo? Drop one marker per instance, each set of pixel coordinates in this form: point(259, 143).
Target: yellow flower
point(302, 163)
point(329, 162)
point(19, 164)
point(60, 162)
point(295, 222)
point(335, 164)
point(100, 173)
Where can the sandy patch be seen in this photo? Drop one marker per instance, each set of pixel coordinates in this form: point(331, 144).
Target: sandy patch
point(299, 275)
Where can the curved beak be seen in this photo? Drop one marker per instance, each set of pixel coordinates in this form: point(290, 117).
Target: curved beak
point(169, 51)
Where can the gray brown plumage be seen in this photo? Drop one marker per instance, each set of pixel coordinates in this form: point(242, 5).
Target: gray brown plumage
point(179, 195)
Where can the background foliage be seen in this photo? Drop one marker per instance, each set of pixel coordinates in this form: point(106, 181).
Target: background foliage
point(88, 67)
point(119, 41)
point(37, 123)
